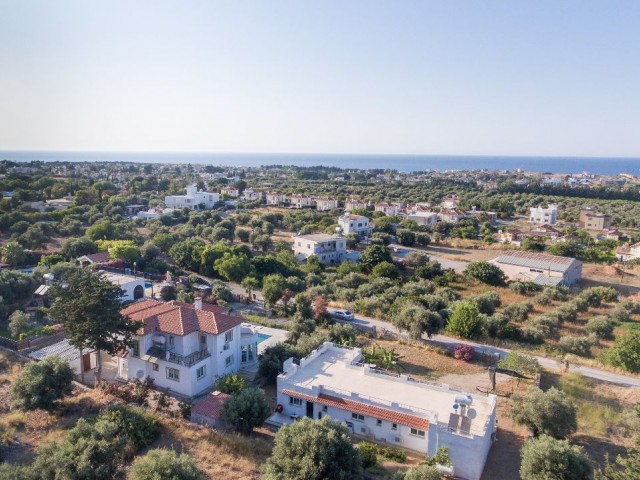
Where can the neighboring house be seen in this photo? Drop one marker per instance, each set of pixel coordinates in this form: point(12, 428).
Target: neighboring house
point(593, 220)
point(614, 235)
point(451, 215)
point(194, 199)
point(325, 203)
point(422, 207)
point(475, 213)
point(357, 224)
point(328, 248)
point(132, 286)
point(388, 208)
point(353, 203)
point(251, 195)
point(397, 410)
point(230, 191)
point(94, 259)
point(541, 215)
point(627, 252)
point(208, 410)
point(539, 268)
point(70, 354)
point(297, 200)
point(59, 203)
point(186, 347)
point(451, 202)
point(275, 198)
point(133, 209)
point(154, 213)
point(423, 217)
point(511, 236)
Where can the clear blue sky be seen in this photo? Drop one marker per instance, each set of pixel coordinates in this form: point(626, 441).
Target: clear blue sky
point(449, 77)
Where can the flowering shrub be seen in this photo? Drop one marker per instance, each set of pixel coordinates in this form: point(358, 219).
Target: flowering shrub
point(464, 352)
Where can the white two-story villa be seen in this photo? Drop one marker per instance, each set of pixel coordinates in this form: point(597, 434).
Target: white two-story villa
point(330, 249)
point(194, 199)
point(186, 347)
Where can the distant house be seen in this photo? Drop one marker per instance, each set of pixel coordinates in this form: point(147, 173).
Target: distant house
point(133, 209)
point(355, 203)
point(208, 410)
point(154, 213)
point(388, 208)
point(451, 215)
point(275, 198)
point(511, 236)
point(423, 217)
point(475, 213)
point(329, 249)
point(59, 203)
point(68, 353)
point(297, 200)
point(325, 203)
point(230, 191)
point(251, 195)
point(451, 202)
point(540, 215)
point(614, 235)
point(94, 259)
point(539, 268)
point(358, 224)
point(624, 252)
point(593, 220)
point(194, 199)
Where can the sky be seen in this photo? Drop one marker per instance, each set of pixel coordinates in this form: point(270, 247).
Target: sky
point(485, 77)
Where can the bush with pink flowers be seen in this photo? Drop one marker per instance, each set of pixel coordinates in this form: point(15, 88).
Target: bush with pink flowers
point(464, 352)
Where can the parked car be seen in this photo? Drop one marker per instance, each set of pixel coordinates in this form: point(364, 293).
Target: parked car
point(343, 315)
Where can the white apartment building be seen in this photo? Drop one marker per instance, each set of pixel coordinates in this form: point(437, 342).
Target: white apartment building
point(390, 209)
point(325, 203)
point(389, 408)
point(194, 199)
point(357, 224)
point(251, 195)
point(186, 347)
point(275, 198)
point(540, 215)
point(353, 203)
point(328, 248)
point(297, 200)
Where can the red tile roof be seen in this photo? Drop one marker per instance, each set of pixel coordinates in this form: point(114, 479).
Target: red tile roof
point(100, 257)
point(180, 318)
point(363, 409)
point(211, 405)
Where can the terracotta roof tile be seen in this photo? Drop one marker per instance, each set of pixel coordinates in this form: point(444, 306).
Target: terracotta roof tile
point(363, 409)
point(180, 318)
point(211, 405)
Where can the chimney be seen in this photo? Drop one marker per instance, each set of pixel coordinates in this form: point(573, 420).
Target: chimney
point(198, 302)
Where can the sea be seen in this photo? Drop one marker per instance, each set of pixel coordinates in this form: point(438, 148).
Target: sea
point(401, 163)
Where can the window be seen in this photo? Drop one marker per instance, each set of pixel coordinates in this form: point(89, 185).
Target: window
point(156, 367)
point(201, 372)
point(228, 336)
point(295, 401)
point(325, 408)
point(394, 426)
point(358, 417)
point(173, 374)
point(135, 348)
point(171, 340)
point(228, 361)
point(378, 423)
point(203, 340)
point(417, 433)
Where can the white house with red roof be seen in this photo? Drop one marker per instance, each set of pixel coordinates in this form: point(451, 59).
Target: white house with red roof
point(358, 224)
point(186, 347)
point(389, 408)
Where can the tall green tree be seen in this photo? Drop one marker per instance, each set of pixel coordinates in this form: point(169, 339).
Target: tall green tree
point(246, 410)
point(373, 255)
point(546, 458)
point(466, 321)
point(88, 305)
point(42, 384)
point(550, 413)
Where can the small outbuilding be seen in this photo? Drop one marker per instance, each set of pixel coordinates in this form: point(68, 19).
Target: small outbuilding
point(208, 410)
point(540, 268)
point(69, 354)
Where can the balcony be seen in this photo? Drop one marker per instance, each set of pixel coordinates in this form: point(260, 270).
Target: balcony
point(188, 360)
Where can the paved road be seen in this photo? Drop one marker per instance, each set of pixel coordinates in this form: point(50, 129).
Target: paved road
point(597, 374)
point(399, 252)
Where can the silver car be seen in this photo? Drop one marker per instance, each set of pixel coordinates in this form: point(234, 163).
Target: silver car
point(343, 315)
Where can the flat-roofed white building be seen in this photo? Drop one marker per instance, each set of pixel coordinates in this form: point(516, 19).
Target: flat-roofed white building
point(357, 224)
point(541, 215)
point(132, 286)
point(194, 199)
point(388, 408)
point(328, 248)
point(423, 218)
point(540, 268)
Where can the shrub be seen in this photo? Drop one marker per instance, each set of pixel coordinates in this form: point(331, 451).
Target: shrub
point(246, 410)
point(313, 450)
point(466, 321)
point(464, 352)
point(138, 428)
point(518, 312)
point(531, 334)
point(369, 454)
point(394, 454)
point(546, 324)
point(547, 458)
point(519, 363)
point(166, 464)
point(577, 345)
point(601, 327)
point(619, 314)
point(42, 384)
point(498, 326)
point(486, 272)
point(230, 383)
point(550, 413)
point(625, 352)
point(423, 472)
point(487, 302)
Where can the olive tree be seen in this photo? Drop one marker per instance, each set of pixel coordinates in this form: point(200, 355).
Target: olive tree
point(545, 458)
point(550, 413)
point(42, 384)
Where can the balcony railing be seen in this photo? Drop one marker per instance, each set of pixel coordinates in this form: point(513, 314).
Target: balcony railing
point(188, 360)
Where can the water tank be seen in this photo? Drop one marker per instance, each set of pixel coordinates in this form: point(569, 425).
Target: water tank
point(461, 399)
point(159, 339)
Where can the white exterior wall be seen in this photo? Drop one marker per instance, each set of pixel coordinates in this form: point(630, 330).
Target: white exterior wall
point(360, 225)
point(427, 219)
point(129, 287)
point(193, 199)
point(517, 272)
point(541, 215)
point(304, 248)
point(251, 195)
point(300, 202)
point(323, 204)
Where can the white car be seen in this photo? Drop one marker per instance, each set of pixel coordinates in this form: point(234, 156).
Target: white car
point(343, 315)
